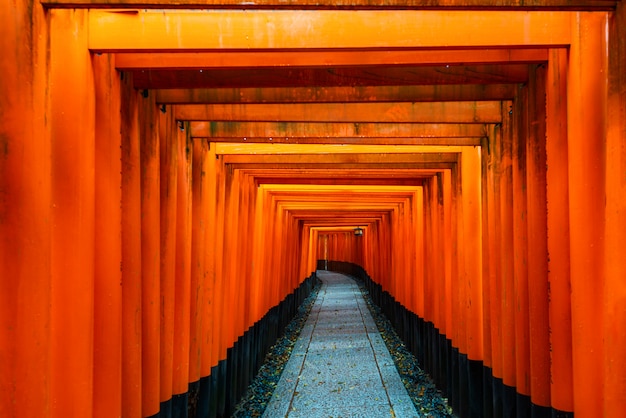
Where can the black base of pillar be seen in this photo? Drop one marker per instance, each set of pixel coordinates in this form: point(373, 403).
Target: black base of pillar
point(179, 405)
point(487, 392)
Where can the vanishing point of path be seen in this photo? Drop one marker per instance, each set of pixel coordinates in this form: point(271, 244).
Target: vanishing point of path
point(340, 366)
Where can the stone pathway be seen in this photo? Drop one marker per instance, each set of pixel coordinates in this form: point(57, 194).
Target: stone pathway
point(340, 366)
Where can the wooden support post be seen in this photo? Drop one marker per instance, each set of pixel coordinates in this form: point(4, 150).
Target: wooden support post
point(230, 258)
point(419, 279)
point(237, 280)
point(183, 263)
point(432, 280)
point(206, 342)
point(167, 272)
point(25, 213)
point(275, 256)
point(107, 385)
point(456, 335)
point(199, 216)
point(488, 261)
point(448, 249)
point(614, 313)
point(520, 252)
point(507, 295)
point(472, 275)
point(221, 303)
point(246, 233)
point(131, 253)
point(399, 261)
point(558, 225)
point(150, 255)
point(438, 268)
point(586, 106)
point(72, 123)
point(492, 153)
point(429, 252)
point(471, 195)
point(538, 298)
point(257, 259)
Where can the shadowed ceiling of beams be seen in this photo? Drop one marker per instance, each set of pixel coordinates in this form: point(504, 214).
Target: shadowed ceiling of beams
point(437, 99)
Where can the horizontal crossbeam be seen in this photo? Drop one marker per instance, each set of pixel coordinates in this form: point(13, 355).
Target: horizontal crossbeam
point(364, 151)
point(330, 77)
point(273, 59)
point(163, 31)
point(339, 4)
point(450, 92)
point(421, 112)
point(315, 132)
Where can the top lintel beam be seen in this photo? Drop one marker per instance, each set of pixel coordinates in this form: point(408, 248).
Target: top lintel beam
point(212, 30)
point(272, 59)
point(573, 5)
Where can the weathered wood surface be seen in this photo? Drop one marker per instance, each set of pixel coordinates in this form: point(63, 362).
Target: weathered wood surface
point(273, 59)
point(419, 112)
point(331, 77)
point(340, 4)
point(159, 31)
point(346, 94)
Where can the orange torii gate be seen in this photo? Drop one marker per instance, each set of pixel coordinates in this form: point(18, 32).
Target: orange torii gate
point(523, 262)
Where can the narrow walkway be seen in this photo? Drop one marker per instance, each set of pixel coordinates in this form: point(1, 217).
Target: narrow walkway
point(340, 366)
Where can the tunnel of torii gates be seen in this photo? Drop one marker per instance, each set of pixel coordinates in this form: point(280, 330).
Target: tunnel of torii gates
point(172, 171)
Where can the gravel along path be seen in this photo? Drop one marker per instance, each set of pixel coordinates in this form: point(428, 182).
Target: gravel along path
point(426, 398)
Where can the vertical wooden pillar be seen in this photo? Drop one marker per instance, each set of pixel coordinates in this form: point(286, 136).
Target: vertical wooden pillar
point(198, 256)
point(231, 252)
point(131, 253)
point(558, 225)
point(256, 293)
point(220, 293)
point(183, 264)
point(212, 299)
point(448, 250)
point(586, 106)
point(150, 255)
point(495, 264)
point(520, 253)
point(507, 297)
point(429, 252)
point(538, 309)
point(72, 122)
point(275, 257)
point(206, 337)
point(25, 214)
point(488, 265)
point(472, 229)
point(439, 271)
point(168, 167)
point(455, 227)
point(107, 386)
point(614, 314)
point(472, 274)
point(246, 229)
point(419, 254)
point(229, 257)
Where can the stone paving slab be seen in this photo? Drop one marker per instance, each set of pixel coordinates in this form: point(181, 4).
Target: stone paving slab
point(340, 366)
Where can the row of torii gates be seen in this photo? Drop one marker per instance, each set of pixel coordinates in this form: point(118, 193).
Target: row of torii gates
point(171, 170)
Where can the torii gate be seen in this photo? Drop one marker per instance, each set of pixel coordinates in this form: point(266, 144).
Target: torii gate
point(463, 103)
